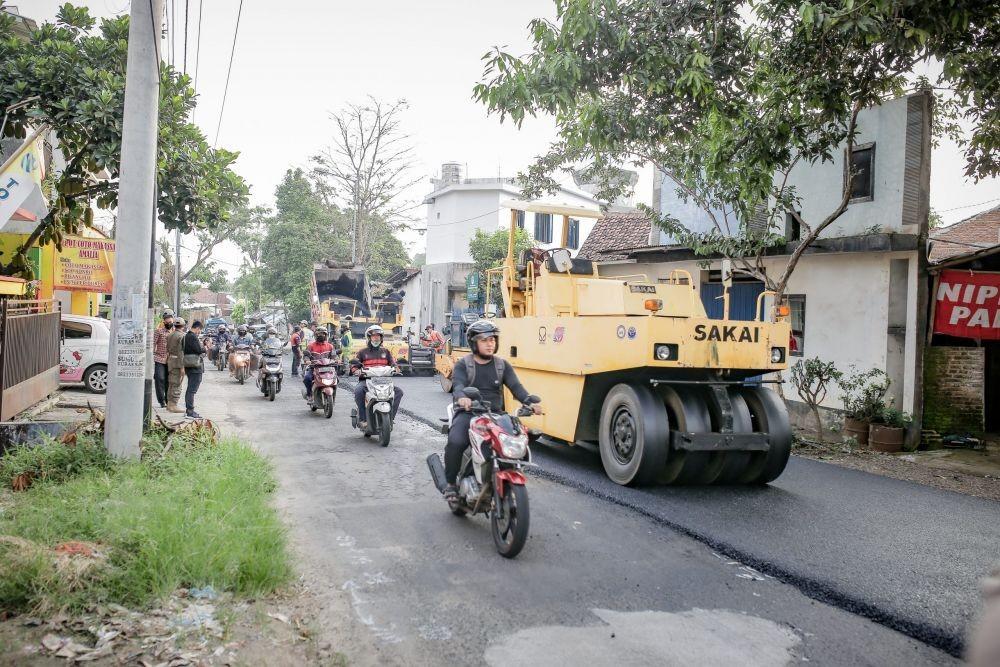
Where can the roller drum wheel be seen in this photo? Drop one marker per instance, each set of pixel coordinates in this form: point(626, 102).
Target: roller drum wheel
point(768, 414)
point(735, 464)
point(633, 435)
point(687, 409)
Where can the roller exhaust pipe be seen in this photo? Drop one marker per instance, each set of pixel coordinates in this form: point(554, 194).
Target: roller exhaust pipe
point(437, 471)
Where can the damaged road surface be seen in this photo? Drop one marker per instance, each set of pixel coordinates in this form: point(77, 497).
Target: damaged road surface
point(402, 581)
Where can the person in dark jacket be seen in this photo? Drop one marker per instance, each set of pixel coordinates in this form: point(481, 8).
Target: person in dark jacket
point(491, 375)
point(192, 346)
point(372, 355)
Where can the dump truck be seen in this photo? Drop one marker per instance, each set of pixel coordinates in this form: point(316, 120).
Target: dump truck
point(341, 294)
point(636, 370)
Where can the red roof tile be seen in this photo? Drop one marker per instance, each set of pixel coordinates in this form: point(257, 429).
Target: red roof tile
point(615, 234)
point(980, 231)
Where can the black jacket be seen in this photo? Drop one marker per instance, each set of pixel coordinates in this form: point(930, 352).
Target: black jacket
point(508, 378)
point(192, 344)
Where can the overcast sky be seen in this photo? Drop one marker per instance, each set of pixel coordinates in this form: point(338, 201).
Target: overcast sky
point(298, 60)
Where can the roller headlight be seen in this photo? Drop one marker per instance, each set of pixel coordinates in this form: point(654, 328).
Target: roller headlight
point(514, 446)
point(777, 355)
point(665, 352)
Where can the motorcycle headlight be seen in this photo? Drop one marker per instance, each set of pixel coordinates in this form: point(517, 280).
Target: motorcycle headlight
point(382, 392)
point(514, 446)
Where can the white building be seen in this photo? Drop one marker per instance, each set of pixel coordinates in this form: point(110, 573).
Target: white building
point(456, 208)
point(858, 295)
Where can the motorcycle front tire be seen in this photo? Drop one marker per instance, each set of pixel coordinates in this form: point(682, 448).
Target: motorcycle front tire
point(271, 391)
point(384, 430)
point(515, 504)
point(327, 407)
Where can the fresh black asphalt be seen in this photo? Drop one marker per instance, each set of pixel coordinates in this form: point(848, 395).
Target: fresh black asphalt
point(905, 555)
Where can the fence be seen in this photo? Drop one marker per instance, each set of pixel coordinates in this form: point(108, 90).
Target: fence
point(29, 353)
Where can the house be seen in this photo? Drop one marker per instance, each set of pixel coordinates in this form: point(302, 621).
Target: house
point(405, 282)
point(459, 206)
point(214, 303)
point(962, 359)
point(858, 296)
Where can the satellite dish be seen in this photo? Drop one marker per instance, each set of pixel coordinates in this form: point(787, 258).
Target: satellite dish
point(562, 260)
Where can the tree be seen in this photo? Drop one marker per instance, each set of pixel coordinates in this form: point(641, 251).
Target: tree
point(811, 378)
point(304, 230)
point(250, 236)
point(367, 171)
point(388, 255)
point(419, 259)
point(726, 98)
point(489, 252)
point(77, 74)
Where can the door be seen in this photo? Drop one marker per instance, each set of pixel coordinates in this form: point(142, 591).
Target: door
point(992, 387)
point(76, 351)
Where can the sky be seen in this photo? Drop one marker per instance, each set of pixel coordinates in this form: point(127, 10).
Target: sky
point(298, 60)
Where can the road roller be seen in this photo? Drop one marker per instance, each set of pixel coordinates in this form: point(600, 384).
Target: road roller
point(636, 370)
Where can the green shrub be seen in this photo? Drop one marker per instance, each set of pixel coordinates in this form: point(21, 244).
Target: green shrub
point(51, 460)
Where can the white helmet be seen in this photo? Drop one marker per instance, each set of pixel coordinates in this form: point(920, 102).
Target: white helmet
point(371, 331)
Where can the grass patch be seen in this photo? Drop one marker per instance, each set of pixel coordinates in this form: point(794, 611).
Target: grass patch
point(185, 516)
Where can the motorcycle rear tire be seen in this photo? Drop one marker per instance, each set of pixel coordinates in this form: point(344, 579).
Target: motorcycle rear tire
point(515, 502)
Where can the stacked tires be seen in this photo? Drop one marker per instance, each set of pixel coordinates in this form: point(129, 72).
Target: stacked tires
point(635, 425)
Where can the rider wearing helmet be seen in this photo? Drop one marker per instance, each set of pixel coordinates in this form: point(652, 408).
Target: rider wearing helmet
point(272, 346)
point(488, 373)
point(372, 355)
point(242, 339)
point(320, 347)
point(221, 340)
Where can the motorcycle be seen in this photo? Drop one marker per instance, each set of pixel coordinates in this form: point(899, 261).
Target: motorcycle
point(269, 376)
point(491, 477)
point(379, 394)
point(241, 363)
point(221, 352)
point(324, 389)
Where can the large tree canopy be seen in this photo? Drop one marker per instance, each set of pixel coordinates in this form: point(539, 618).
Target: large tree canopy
point(726, 97)
point(76, 69)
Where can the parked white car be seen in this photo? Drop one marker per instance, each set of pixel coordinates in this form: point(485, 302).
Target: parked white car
point(83, 352)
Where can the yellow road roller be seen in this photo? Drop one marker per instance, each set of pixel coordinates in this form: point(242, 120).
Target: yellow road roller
point(636, 369)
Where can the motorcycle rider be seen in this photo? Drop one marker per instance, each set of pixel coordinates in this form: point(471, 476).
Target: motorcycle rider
point(244, 338)
point(220, 340)
point(272, 346)
point(317, 349)
point(490, 374)
point(372, 355)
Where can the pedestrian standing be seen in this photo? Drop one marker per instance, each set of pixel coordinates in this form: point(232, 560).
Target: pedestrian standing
point(194, 367)
point(307, 333)
point(160, 357)
point(296, 341)
point(175, 365)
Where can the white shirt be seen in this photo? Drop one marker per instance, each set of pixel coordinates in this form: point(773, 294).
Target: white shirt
point(307, 335)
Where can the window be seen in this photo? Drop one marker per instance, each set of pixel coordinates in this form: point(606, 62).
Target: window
point(793, 232)
point(797, 339)
point(543, 227)
point(862, 176)
point(573, 234)
point(76, 330)
point(520, 219)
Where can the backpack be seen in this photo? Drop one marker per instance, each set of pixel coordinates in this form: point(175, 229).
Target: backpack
point(470, 368)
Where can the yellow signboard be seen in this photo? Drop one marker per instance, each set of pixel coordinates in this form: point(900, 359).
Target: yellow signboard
point(85, 265)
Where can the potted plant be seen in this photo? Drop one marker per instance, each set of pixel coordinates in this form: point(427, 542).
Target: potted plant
point(863, 394)
point(888, 431)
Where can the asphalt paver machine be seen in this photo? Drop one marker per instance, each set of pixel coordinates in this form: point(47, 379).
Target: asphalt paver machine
point(635, 368)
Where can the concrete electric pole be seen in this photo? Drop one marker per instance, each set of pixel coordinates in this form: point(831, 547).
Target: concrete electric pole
point(130, 329)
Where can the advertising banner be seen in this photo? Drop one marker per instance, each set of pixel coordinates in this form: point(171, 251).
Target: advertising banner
point(968, 305)
point(85, 265)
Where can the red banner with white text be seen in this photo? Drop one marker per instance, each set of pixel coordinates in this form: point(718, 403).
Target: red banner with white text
point(968, 305)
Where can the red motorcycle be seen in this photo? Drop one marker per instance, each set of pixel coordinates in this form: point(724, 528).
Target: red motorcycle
point(324, 389)
point(491, 478)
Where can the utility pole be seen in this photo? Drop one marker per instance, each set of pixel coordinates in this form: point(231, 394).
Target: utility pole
point(177, 272)
point(134, 234)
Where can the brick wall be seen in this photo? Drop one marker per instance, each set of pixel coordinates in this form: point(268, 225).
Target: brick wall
point(953, 389)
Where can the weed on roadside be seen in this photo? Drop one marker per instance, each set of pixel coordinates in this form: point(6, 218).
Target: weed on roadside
point(189, 516)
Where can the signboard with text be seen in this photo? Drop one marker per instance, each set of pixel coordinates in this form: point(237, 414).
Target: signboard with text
point(85, 265)
point(968, 305)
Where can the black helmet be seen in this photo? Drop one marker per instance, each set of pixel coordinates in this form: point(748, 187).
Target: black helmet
point(241, 329)
point(481, 329)
point(320, 333)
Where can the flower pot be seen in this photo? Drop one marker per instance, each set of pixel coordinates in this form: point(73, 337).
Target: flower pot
point(856, 428)
point(886, 438)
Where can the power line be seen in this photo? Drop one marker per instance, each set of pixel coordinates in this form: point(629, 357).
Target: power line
point(157, 36)
point(229, 70)
point(988, 201)
point(481, 215)
point(197, 46)
point(186, 12)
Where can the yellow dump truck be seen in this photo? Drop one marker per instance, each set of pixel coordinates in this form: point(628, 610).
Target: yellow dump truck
point(635, 369)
